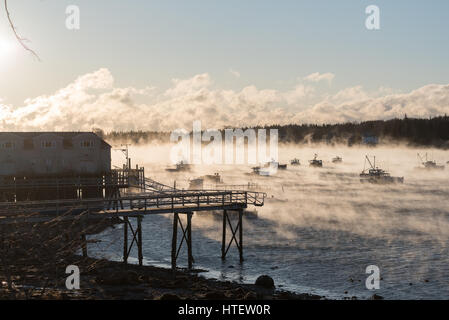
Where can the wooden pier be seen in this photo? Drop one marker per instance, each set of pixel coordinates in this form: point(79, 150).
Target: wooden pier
point(162, 200)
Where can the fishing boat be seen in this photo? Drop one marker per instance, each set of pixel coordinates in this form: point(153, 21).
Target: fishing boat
point(337, 159)
point(295, 162)
point(315, 162)
point(261, 171)
point(274, 164)
point(180, 166)
point(196, 184)
point(376, 175)
point(429, 164)
point(213, 178)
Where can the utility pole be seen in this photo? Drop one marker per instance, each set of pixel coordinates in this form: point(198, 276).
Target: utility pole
point(125, 151)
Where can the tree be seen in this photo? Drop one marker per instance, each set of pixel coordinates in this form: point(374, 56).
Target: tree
point(20, 39)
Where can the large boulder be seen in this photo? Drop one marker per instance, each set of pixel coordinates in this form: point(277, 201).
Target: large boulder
point(265, 281)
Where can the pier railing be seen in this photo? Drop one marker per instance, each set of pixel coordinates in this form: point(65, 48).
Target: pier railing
point(145, 203)
point(18, 183)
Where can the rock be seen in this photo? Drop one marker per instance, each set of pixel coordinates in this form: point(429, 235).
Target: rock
point(376, 297)
point(119, 278)
point(215, 295)
point(250, 296)
point(265, 281)
point(133, 277)
point(114, 279)
point(239, 291)
point(155, 283)
point(169, 296)
point(284, 295)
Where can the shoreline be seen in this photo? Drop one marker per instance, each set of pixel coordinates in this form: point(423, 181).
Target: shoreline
point(34, 258)
point(102, 279)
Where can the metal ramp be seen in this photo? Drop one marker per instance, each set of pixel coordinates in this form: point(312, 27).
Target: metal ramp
point(152, 185)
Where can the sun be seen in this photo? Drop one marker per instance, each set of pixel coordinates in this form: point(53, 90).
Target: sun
point(6, 48)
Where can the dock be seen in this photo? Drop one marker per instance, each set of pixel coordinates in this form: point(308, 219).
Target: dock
point(152, 198)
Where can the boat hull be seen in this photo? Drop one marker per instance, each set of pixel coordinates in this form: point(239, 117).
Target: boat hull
point(382, 180)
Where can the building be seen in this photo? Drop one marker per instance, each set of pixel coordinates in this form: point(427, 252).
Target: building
point(62, 154)
point(370, 140)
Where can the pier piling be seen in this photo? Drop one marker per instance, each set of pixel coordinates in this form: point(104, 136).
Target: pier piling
point(189, 240)
point(136, 238)
point(240, 227)
point(125, 240)
point(186, 235)
point(223, 240)
point(174, 241)
point(139, 240)
point(238, 241)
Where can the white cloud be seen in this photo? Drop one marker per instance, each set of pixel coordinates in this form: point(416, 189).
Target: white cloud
point(235, 73)
point(189, 86)
point(93, 101)
point(317, 77)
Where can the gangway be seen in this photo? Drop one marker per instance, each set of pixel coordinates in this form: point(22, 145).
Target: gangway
point(152, 185)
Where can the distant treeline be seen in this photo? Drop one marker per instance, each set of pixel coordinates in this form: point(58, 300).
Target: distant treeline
point(415, 132)
point(136, 137)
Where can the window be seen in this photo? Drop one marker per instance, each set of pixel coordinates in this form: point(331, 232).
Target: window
point(8, 145)
point(28, 144)
point(67, 144)
point(48, 144)
point(87, 144)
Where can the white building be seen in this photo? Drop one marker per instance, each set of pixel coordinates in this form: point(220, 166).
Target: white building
point(53, 153)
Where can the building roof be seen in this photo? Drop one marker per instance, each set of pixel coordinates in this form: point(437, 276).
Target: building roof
point(63, 134)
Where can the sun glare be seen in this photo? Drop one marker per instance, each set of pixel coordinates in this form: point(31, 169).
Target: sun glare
point(6, 48)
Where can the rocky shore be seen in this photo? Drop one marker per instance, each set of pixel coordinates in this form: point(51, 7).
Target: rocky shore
point(34, 259)
point(102, 279)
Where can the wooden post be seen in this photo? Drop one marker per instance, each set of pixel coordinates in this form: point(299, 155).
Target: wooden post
point(223, 240)
point(241, 234)
point(174, 241)
point(116, 201)
point(139, 240)
point(189, 240)
point(125, 240)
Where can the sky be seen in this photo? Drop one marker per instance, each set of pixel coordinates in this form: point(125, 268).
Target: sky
point(160, 65)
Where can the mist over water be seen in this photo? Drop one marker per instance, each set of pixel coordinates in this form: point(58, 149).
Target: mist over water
point(320, 227)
